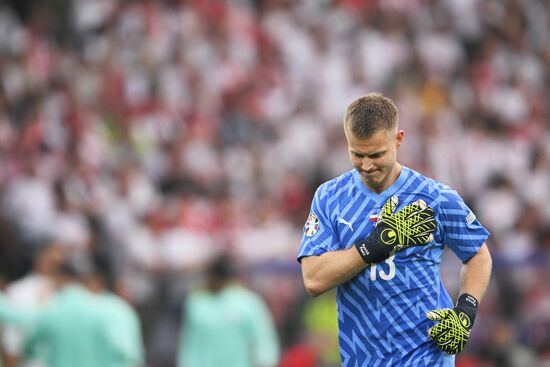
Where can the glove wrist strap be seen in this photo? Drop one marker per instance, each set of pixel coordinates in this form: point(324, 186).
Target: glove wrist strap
point(468, 304)
point(371, 250)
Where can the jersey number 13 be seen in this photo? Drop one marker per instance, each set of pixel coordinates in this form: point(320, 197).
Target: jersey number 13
point(383, 275)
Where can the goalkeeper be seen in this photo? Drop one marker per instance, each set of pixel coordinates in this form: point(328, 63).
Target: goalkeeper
point(377, 234)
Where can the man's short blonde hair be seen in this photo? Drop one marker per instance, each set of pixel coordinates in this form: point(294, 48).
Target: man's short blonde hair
point(370, 113)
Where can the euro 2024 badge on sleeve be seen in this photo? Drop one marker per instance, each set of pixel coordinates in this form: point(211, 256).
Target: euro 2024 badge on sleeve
point(312, 225)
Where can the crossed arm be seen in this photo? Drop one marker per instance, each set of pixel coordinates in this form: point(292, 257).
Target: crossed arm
point(330, 269)
point(326, 271)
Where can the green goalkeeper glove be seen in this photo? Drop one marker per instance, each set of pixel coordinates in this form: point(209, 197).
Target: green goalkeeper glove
point(412, 225)
point(452, 331)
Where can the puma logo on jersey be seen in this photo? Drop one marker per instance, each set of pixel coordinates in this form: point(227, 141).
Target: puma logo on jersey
point(349, 224)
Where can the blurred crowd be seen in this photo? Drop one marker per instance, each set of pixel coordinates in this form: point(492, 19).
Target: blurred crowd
point(158, 134)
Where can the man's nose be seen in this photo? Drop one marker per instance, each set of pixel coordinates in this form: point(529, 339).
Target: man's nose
point(366, 163)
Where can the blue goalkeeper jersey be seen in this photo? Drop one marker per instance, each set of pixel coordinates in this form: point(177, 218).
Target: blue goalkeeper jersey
point(381, 311)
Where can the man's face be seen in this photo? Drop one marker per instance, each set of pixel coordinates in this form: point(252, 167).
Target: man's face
point(375, 157)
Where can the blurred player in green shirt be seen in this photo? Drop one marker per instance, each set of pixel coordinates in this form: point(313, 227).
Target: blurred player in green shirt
point(226, 324)
point(122, 324)
point(83, 328)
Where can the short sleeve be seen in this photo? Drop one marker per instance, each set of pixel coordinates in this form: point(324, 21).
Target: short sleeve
point(318, 234)
point(461, 231)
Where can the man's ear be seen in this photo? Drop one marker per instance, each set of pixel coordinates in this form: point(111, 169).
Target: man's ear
point(399, 138)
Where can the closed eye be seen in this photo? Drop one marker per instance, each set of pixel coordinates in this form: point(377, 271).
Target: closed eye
point(371, 156)
point(376, 155)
